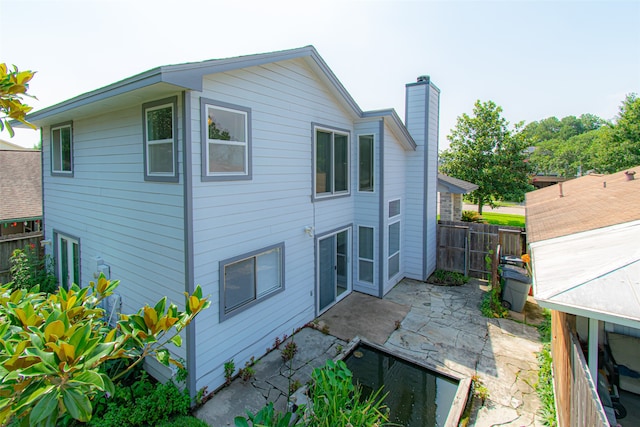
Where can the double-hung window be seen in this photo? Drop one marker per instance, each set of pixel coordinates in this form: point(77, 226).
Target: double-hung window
point(227, 136)
point(160, 145)
point(62, 149)
point(249, 278)
point(331, 162)
point(365, 163)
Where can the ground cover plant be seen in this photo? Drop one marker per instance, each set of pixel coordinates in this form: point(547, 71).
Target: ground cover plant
point(544, 387)
point(448, 278)
point(504, 219)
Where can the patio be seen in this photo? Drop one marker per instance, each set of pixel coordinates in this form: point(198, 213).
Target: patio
point(439, 326)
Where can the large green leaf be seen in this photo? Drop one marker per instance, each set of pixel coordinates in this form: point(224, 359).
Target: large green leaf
point(43, 409)
point(89, 378)
point(163, 356)
point(176, 340)
point(77, 403)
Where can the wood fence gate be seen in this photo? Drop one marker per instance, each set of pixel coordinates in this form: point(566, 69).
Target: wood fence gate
point(463, 246)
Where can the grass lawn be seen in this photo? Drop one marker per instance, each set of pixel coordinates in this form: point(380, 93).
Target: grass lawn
point(503, 219)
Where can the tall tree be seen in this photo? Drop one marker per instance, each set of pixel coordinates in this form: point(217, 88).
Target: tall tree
point(486, 152)
point(622, 149)
point(14, 85)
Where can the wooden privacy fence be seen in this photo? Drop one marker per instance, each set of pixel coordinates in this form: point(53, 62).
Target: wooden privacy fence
point(576, 397)
point(10, 244)
point(463, 246)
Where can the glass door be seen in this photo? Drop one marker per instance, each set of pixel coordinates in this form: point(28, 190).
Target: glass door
point(68, 261)
point(333, 269)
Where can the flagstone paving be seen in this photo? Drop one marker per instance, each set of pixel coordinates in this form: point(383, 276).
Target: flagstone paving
point(439, 326)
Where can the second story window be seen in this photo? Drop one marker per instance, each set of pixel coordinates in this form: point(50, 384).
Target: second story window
point(331, 163)
point(160, 140)
point(62, 149)
point(228, 141)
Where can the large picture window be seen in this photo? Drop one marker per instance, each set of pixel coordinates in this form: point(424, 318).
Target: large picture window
point(62, 149)
point(246, 279)
point(160, 140)
point(227, 136)
point(365, 163)
point(331, 163)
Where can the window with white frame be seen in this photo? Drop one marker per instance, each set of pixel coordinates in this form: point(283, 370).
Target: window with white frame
point(365, 163)
point(394, 208)
point(160, 139)
point(227, 132)
point(62, 149)
point(249, 278)
point(394, 249)
point(365, 254)
point(331, 162)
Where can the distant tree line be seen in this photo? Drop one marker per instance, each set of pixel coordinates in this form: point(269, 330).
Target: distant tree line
point(485, 150)
point(574, 146)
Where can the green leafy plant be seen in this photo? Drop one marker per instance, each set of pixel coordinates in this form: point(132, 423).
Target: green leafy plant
point(183, 421)
point(265, 417)
point(471, 216)
point(28, 269)
point(491, 305)
point(53, 348)
point(290, 349)
point(293, 386)
point(337, 402)
point(339, 349)
point(248, 371)
point(14, 85)
point(480, 391)
point(448, 278)
point(229, 369)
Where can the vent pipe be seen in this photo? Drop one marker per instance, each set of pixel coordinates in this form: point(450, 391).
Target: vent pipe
point(560, 186)
point(629, 175)
point(422, 79)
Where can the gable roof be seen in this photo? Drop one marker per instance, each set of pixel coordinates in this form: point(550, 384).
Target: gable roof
point(20, 185)
point(454, 185)
point(188, 76)
point(6, 145)
point(581, 204)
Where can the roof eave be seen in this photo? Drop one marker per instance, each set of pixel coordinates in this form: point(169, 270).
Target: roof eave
point(396, 125)
point(586, 312)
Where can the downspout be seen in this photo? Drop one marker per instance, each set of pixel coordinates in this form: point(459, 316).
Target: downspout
point(188, 236)
point(381, 210)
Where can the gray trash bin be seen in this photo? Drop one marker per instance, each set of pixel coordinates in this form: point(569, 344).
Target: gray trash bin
point(515, 288)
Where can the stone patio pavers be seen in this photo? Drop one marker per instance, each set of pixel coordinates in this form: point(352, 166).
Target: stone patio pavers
point(443, 328)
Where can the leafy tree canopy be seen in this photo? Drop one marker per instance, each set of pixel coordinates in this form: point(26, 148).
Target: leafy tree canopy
point(485, 151)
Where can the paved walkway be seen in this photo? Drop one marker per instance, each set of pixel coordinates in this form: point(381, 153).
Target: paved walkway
point(440, 326)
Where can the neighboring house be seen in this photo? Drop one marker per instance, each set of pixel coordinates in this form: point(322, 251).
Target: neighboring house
point(258, 178)
point(20, 191)
point(542, 181)
point(584, 236)
point(6, 145)
point(451, 190)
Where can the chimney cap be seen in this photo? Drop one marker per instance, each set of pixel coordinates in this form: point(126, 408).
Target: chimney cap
point(423, 78)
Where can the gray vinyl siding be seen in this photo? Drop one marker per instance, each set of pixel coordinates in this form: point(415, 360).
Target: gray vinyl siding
point(236, 217)
point(136, 227)
point(367, 206)
point(432, 178)
point(415, 179)
point(394, 188)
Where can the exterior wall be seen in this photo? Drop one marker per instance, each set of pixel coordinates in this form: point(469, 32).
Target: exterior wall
point(136, 227)
point(231, 218)
point(367, 206)
point(431, 170)
point(395, 164)
point(446, 206)
point(457, 207)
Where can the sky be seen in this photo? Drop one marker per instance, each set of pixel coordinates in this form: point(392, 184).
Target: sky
point(534, 59)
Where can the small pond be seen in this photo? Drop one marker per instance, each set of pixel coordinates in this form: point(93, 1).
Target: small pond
point(417, 396)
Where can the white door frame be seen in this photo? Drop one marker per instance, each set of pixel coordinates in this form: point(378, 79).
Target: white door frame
point(347, 267)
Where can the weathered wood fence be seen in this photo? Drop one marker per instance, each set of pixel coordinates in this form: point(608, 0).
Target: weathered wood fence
point(463, 246)
point(11, 243)
point(576, 397)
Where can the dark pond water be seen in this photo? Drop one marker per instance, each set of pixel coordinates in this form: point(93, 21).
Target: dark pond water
point(417, 397)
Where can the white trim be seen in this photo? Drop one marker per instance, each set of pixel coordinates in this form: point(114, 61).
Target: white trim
point(62, 171)
point(244, 143)
point(399, 200)
point(70, 259)
point(391, 255)
point(333, 132)
point(349, 269)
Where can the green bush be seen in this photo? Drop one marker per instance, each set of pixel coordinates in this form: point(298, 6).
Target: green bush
point(491, 305)
point(28, 269)
point(143, 403)
point(184, 421)
point(471, 216)
point(448, 278)
point(544, 387)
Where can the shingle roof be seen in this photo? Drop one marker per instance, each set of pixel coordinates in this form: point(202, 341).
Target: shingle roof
point(586, 203)
point(455, 185)
point(20, 184)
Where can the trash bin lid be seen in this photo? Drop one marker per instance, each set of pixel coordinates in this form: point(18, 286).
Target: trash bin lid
point(515, 268)
point(514, 275)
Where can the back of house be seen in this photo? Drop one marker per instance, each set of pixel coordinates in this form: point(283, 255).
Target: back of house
point(258, 178)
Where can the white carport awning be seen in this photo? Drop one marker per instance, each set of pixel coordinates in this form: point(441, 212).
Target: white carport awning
point(594, 274)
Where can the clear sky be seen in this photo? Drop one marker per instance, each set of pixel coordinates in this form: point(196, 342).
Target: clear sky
point(535, 59)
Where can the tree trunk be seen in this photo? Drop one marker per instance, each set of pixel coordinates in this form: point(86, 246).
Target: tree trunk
point(480, 204)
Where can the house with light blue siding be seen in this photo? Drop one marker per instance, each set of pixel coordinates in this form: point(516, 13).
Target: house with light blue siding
point(257, 177)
